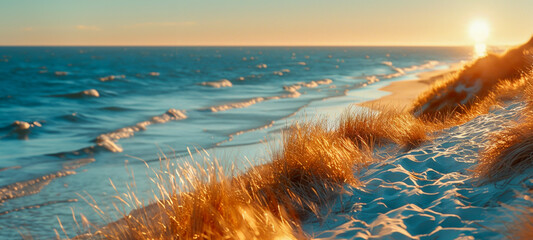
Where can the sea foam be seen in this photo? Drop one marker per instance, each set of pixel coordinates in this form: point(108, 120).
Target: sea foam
point(292, 89)
point(108, 140)
point(82, 94)
point(218, 84)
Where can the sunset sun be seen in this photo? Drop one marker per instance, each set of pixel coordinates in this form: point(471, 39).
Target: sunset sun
point(479, 30)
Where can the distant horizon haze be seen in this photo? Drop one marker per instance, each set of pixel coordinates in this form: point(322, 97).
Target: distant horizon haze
point(253, 23)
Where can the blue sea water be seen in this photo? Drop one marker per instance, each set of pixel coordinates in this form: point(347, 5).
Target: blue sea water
point(67, 99)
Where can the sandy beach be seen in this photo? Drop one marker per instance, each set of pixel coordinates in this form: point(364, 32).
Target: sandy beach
point(403, 93)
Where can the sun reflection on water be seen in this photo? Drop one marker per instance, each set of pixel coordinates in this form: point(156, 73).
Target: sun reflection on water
point(480, 50)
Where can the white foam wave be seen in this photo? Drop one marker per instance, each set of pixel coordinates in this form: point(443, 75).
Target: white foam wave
point(311, 84)
point(402, 71)
point(292, 89)
point(60, 73)
point(82, 94)
point(429, 64)
point(108, 140)
point(252, 101)
point(282, 72)
point(218, 84)
point(244, 104)
point(398, 70)
point(371, 79)
point(261, 66)
point(111, 78)
point(22, 129)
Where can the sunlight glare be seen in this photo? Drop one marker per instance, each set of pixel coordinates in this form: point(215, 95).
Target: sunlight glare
point(479, 30)
point(480, 50)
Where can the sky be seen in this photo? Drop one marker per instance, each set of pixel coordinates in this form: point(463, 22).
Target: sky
point(261, 23)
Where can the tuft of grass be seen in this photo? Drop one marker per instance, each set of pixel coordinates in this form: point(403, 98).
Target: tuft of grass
point(510, 150)
point(312, 167)
point(386, 126)
point(267, 202)
point(522, 226)
point(198, 201)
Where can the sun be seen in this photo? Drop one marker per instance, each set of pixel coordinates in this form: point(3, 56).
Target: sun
point(479, 30)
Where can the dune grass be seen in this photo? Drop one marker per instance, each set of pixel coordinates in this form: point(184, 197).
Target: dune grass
point(385, 126)
point(267, 202)
point(473, 86)
point(522, 226)
point(314, 164)
point(510, 151)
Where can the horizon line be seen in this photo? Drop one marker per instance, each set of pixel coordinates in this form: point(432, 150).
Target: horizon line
point(259, 45)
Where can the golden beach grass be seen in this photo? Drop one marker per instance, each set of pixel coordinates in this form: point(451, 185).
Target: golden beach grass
point(475, 83)
point(510, 151)
point(522, 226)
point(386, 126)
point(267, 202)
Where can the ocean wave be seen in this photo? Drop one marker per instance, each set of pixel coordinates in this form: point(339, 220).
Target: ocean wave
point(429, 64)
point(60, 73)
point(311, 84)
point(38, 205)
point(73, 117)
point(282, 72)
point(249, 102)
point(402, 71)
point(261, 66)
point(29, 187)
point(372, 79)
point(77, 163)
point(244, 104)
point(82, 94)
point(218, 84)
point(10, 168)
point(115, 109)
point(292, 89)
point(20, 129)
point(231, 136)
point(108, 140)
point(33, 186)
point(396, 69)
point(111, 78)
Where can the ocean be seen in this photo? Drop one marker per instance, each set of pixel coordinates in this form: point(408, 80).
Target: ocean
point(72, 119)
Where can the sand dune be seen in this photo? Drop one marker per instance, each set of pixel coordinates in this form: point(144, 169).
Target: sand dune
point(428, 192)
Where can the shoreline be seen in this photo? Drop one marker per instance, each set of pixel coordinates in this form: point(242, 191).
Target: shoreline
point(403, 93)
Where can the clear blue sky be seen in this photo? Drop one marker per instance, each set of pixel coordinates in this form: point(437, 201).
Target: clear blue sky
point(248, 22)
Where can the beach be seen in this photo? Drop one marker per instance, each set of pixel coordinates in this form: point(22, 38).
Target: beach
point(402, 177)
point(427, 191)
point(404, 93)
point(98, 114)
